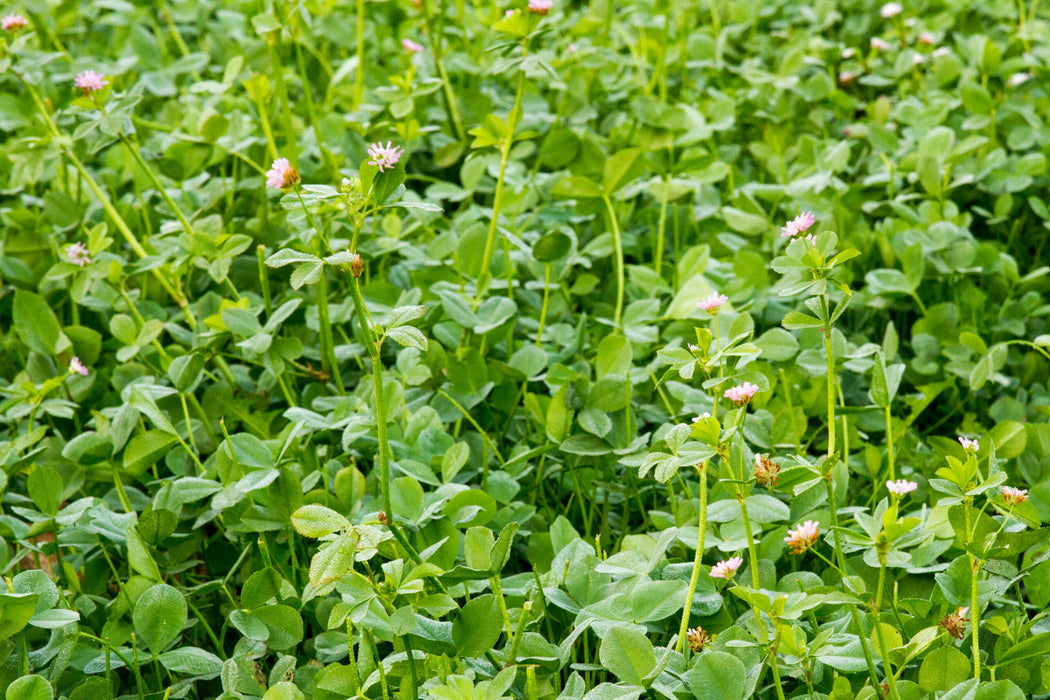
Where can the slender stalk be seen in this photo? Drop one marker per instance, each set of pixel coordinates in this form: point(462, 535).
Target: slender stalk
point(291, 147)
point(497, 590)
point(414, 694)
point(497, 201)
point(661, 226)
point(975, 612)
point(683, 629)
point(446, 86)
point(156, 183)
point(359, 72)
point(618, 252)
point(889, 444)
point(829, 483)
point(887, 669)
point(546, 298)
point(512, 656)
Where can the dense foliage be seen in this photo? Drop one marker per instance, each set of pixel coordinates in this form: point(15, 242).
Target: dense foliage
point(464, 350)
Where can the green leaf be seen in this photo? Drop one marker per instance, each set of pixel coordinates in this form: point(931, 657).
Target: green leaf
point(30, 688)
point(288, 256)
point(284, 623)
point(576, 187)
point(628, 654)
point(160, 616)
point(191, 660)
point(943, 669)
point(745, 222)
point(408, 337)
point(1039, 645)
point(317, 521)
point(145, 449)
point(617, 168)
point(185, 371)
point(477, 627)
point(718, 676)
point(35, 322)
point(139, 557)
point(15, 611)
point(45, 488)
point(551, 247)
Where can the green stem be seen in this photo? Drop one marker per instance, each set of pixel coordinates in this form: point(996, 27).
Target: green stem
point(497, 201)
point(618, 252)
point(546, 299)
point(889, 443)
point(497, 590)
point(975, 612)
point(359, 72)
point(512, 656)
point(157, 184)
point(683, 629)
point(411, 668)
point(883, 649)
point(446, 86)
point(291, 150)
point(662, 224)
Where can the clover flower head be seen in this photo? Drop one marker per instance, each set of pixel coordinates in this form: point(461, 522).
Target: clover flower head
point(803, 537)
point(711, 303)
point(75, 365)
point(891, 9)
point(941, 52)
point(11, 23)
point(1014, 496)
point(1018, 79)
point(77, 253)
point(726, 569)
point(697, 419)
point(846, 77)
point(740, 395)
point(282, 174)
point(955, 623)
point(901, 487)
point(767, 472)
point(968, 444)
point(798, 225)
point(697, 639)
point(879, 44)
point(927, 38)
point(540, 7)
point(848, 53)
point(384, 157)
point(918, 58)
point(411, 46)
point(89, 81)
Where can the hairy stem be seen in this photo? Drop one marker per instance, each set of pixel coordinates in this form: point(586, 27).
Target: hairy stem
point(683, 629)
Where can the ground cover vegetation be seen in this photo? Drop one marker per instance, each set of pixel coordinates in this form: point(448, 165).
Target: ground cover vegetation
point(415, 349)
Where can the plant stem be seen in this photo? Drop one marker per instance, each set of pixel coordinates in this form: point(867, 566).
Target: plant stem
point(975, 612)
point(359, 72)
point(546, 298)
point(618, 252)
point(187, 227)
point(887, 669)
point(889, 443)
point(450, 96)
point(683, 629)
point(497, 201)
point(497, 590)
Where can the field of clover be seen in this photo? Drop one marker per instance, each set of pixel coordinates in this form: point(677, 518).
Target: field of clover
point(532, 349)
